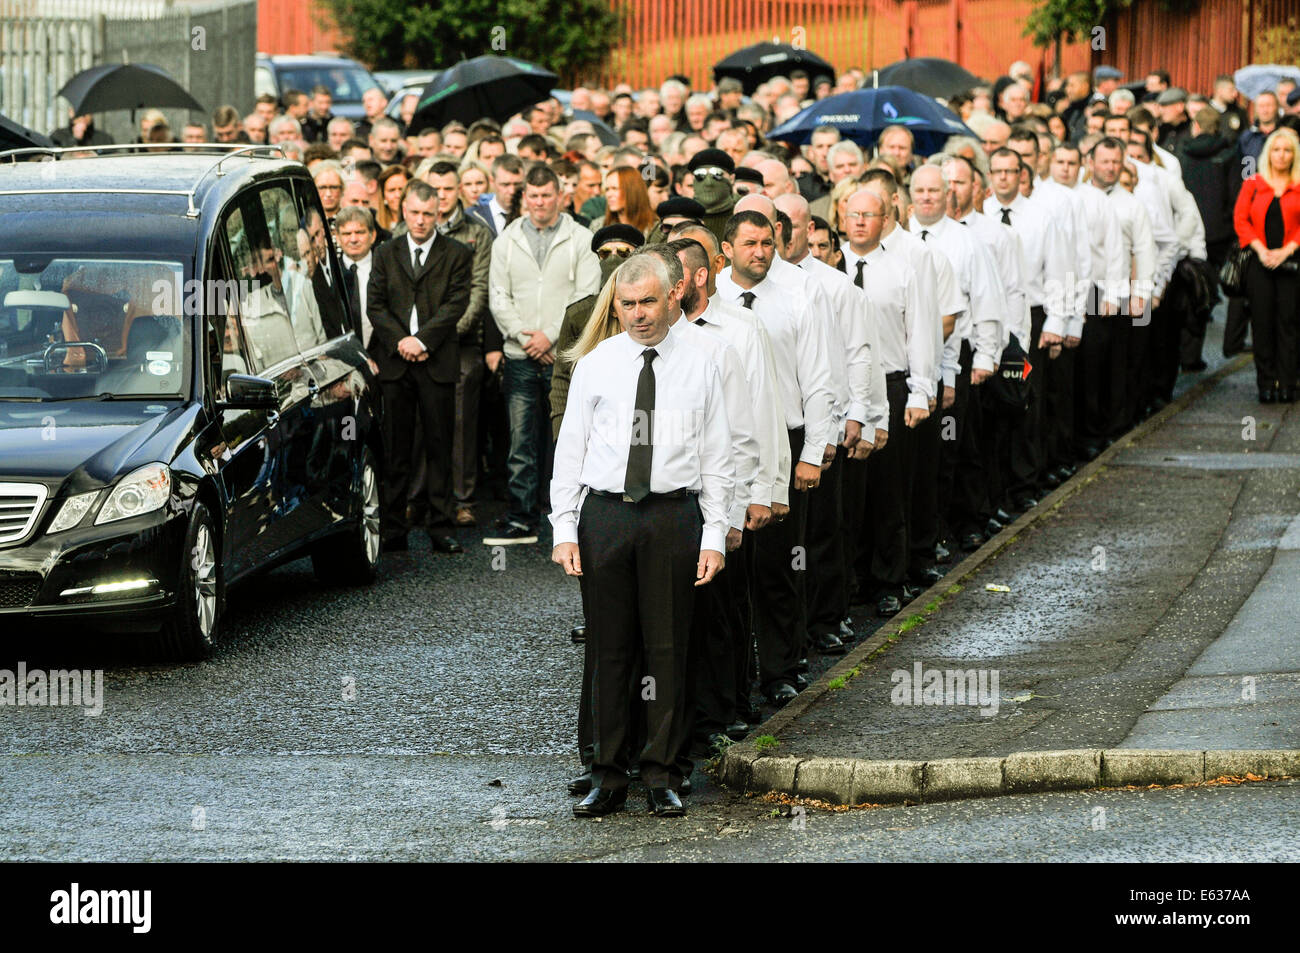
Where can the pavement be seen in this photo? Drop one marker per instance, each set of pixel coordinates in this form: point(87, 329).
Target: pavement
point(1136, 627)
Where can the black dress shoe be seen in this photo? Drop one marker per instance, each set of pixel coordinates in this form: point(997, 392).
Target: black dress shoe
point(801, 682)
point(599, 802)
point(1090, 451)
point(736, 730)
point(1002, 516)
point(971, 542)
point(634, 772)
point(664, 802)
point(581, 784)
point(1267, 396)
point(929, 577)
point(888, 606)
point(910, 592)
point(828, 644)
point(942, 553)
point(1195, 366)
point(1067, 470)
point(846, 630)
point(685, 788)
point(578, 634)
point(801, 665)
point(992, 528)
point(1026, 503)
point(1052, 479)
point(752, 716)
point(781, 695)
point(444, 544)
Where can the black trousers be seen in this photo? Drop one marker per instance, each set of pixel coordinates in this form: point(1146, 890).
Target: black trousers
point(1101, 380)
point(853, 495)
point(1273, 305)
point(1025, 450)
point(1057, 388)
point(639, 560)
point(412, 400)
point(1164, 345)
point(969, 504)
point(951, 422)
point(779, 580)
point(827, 598)
point(889, 498)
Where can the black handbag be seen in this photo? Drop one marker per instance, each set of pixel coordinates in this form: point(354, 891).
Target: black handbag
point(1232, 273)
point(1009, 385)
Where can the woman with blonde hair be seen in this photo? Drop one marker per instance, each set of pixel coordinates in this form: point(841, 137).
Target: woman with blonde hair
point(839, 205)
point(1267, 220)
point(474, 179)
point(577, 340)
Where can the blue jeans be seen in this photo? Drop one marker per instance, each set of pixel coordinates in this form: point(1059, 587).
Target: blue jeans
point(527, 386)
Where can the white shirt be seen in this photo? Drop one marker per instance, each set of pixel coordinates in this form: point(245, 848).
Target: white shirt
point(802, 364)
point(854, 338)
point(692, 437)
point(977, 276)
point(1152, 190)
point(1057, 200)
point(746, 335)
point(740, 414)
point(498, 214)
point(1139, 245)
point(1110, 262)
point(411, 246)
point(1047, 260)
point(363, 280)
point(905, 314)
point(1004, 244)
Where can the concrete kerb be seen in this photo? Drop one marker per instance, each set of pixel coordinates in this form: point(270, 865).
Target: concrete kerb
point(739, 760)
point(856, 781)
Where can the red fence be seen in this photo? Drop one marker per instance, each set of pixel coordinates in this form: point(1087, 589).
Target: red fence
point(294, 26)
point(689, 36)
point(1219, 37)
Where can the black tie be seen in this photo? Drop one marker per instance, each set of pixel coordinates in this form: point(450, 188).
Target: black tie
point(354, 291)
point(636, 483)
point(1006, 216)
point(418, 252)
point(924, 234)
point(748, 298)
point(862, 263)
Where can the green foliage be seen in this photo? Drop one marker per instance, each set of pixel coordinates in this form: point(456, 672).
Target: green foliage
point(565, 36)
point(763, 742)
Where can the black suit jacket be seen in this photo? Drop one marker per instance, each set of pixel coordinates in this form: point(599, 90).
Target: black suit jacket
point(439, 293)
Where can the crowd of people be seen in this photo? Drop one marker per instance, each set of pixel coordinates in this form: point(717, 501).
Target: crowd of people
point(757, 384)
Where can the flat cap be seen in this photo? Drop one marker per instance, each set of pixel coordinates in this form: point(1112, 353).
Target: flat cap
point(617, 233)
point(1173, 94)
point(746, 174)
point(708, 157)
point(1107, 72)
point(729, 84)
point(680, 207)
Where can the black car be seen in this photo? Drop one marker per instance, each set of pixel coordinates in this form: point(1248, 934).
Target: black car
point(183, 397)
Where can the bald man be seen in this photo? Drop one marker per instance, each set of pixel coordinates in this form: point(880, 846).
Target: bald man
point(776, 178)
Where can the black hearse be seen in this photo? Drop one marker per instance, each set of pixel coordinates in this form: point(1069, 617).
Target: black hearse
point(184, 399)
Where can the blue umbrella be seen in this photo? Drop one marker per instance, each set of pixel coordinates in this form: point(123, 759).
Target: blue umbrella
point(861, 114)
point(1263, 77)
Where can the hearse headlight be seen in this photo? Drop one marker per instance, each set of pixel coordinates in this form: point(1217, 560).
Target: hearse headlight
point(137, 493)
point(72, 511)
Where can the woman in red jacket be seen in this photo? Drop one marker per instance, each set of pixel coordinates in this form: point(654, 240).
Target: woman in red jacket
point(1267, 219)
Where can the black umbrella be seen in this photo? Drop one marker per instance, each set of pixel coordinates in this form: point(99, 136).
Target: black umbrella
point(489, 86)
point(927, 74)
point(14, 136)
point(755, 65)
point(126, 86)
